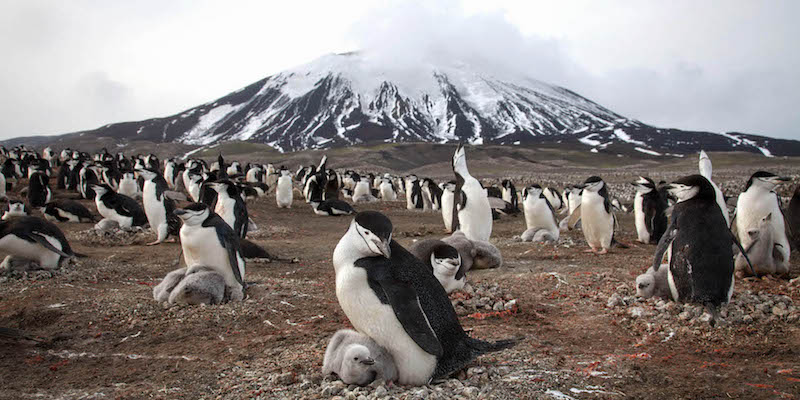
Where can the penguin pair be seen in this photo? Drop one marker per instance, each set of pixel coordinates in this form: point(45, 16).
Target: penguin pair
point(392, 297)
point(540, 218)
point(158, 208)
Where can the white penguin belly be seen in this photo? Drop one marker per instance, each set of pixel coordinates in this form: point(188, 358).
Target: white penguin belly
point(750, 209)
point(387, 194)
point(377, 320)
point(31, 250)
point(225, 210)
point(69, 216)
point(284, 195)
point(538, 215)
point(447, 209)
point(475, 220)
point(154, 209)
point(638, 213)
point(361, 192)
point(201, 247)
point(597, 224)
point(128, 187)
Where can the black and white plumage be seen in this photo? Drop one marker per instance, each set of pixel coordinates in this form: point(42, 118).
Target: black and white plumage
point(34, 239)
point(207, 240)
point(63, 210)
point(14, 208)
point(597, 217)
point(757, 201)
point(413, 193)
point(649, 210)
point(231, 207)
point(392, 297)
point(698, 244)
point(39, 192)
point(540, 218)
point(118, 207)
point(386, 189)
point(444, 260)
point(332, 208)
point(472, 213)
point(357, 359)
point(705, 167)
point(432, 194)
point(157, 206)
point(448, 197)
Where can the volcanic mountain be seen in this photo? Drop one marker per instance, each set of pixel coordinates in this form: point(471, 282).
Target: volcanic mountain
point(348, 99)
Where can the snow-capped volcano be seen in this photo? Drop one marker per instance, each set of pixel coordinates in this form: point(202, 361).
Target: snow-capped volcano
point(346, 99)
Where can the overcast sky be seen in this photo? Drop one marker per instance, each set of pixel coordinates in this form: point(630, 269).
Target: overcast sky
point(706, 65)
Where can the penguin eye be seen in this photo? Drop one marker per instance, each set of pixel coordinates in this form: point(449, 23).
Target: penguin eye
point(367, 233)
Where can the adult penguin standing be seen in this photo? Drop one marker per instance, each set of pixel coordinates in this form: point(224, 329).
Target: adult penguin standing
point(472, 213)
point(392, 297)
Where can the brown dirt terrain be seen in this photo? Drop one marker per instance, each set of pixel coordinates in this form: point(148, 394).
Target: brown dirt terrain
point(105, 337)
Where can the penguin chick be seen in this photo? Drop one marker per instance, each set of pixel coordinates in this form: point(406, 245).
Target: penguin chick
point(162, 290)
point(487, 255)
point(357, 359)
point(444, 260)
point(201, 285)
point(653, 284)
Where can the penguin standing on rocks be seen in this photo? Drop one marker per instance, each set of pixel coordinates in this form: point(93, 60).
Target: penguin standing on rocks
point(756, 202)
point(63, 210)
point(649, 211)
point(231, 207)
point(284, 193)
point(118, 207)
point(699, 246)
point(392, 297)
point(39, 192)
point(34, 239)
point(472, 213)
point(207, 240)
point(540, 218)
point(157, 206)
point(444, 260)
point(597, 218)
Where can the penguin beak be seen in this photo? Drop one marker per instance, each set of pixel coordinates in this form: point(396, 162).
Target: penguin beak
point(783, 179)
point(368, 361)
point(385, 249)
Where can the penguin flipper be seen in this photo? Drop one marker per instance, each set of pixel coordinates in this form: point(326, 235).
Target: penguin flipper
point(744, 253)
point(405, 303)
point(666, 239)
point(38, 238)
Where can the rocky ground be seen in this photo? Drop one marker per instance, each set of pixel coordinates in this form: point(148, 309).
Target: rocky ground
point(101, 335)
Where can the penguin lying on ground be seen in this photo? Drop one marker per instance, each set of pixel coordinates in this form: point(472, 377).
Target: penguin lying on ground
point(35, 239)
point(475, 254)
point(332, 207)
point(653, 283)
point(14, 208)
point(392, 297)
point(357, 359)
point(444, 260)
point(118, 207)
point(63, 210)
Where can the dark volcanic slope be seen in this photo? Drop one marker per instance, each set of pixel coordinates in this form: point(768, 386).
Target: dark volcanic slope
point(346, 99)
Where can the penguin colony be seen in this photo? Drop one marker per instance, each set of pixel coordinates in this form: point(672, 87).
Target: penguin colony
point(406, 329)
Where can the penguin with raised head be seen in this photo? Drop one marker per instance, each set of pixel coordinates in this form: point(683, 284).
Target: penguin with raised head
point(63, 210)
point(157, 206)
point(705, 170)
point(392, 297)
point(284, 193)
point(756, 202)
point(14, 208)
point(540, 218)
point(597, 218)
point(444, 260)
point(231, 207)
point(118, 207)
point(207, 240)
point(698, 244)
point(34, 239)
point(649, 211)
point(39, 192)
point(472, 213)
point(448, 197)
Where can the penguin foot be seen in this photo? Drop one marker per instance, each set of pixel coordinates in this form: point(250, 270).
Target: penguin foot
point(590, 251)
point(154, 243)
point(603, 251)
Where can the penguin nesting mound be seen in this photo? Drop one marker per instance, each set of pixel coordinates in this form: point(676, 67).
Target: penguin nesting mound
point(761, 311)
point(482, 300)
point(114, 237)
